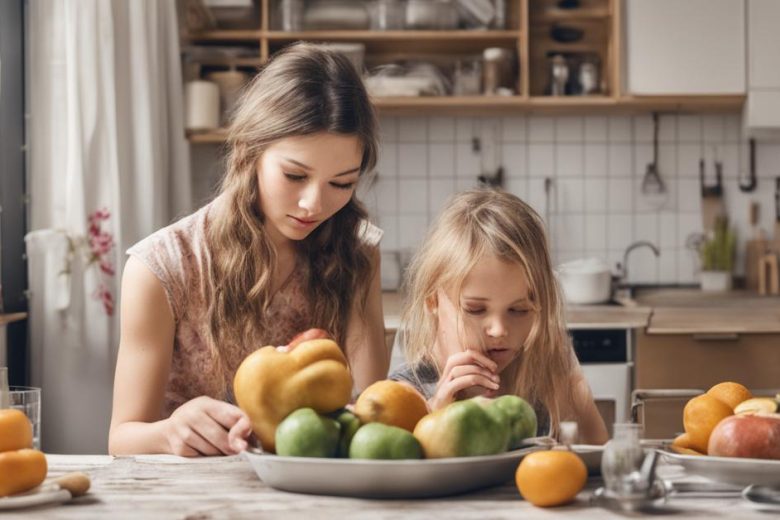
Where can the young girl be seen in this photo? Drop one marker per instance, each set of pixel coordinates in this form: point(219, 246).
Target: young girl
point(284, 247)
point(484, 317)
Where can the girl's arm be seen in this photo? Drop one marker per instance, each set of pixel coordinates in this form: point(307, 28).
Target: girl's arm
point(369, 357)
point(200, 426)
point(590, 424)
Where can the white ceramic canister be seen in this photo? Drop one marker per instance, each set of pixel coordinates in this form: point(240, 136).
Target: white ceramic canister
point(201, 100)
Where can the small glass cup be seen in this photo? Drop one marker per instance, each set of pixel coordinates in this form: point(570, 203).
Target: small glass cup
point(28, 400)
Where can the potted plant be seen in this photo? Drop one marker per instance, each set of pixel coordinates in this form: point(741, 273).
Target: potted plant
point(717, 256)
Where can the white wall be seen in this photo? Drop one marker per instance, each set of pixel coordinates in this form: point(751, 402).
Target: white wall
point(596, 164)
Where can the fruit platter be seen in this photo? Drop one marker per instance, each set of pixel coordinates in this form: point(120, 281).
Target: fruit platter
point(730, 437)
point(387, 444)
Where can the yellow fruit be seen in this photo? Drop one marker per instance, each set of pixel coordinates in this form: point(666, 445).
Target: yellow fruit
point(700, 416)
point(550, 478)
point(756, 405)
point(15, 430)
point(21, 470)
point(730, 393)
point(393, 403)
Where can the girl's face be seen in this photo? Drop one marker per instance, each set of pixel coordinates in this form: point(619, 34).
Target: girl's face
point(493, 311)
point(305, 180)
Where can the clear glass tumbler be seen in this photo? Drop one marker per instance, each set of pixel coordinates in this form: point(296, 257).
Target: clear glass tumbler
point(622, 460)
point(28, 400)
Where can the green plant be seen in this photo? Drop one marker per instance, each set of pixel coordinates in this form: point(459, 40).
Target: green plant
point(718, 248)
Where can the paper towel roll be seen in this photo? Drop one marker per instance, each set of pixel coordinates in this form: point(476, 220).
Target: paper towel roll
point(202, 102)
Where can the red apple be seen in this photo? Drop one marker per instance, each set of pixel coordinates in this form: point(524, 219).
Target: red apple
point(755, 436)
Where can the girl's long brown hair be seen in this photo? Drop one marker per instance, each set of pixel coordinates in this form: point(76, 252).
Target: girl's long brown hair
point(476, 223)
point(303, 90)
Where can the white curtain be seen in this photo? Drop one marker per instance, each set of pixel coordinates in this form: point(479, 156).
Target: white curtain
point(105, 133)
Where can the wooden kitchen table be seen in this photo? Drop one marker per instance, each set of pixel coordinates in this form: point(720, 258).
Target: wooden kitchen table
point(161, 486)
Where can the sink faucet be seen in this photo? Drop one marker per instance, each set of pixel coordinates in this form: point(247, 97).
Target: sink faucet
point(623, 268)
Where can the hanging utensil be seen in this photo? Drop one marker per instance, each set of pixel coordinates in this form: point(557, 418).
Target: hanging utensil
point(711, 196)
point(652, 184)
point(750, 185)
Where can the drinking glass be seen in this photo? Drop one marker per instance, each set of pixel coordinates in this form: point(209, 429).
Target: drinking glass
point(28, 400)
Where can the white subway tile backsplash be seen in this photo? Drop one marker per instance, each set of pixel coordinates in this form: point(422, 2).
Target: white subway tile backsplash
point(595, 160)
point(514, 161)
point(412, 160)
point(468, 163)
point(442, 160)
point(541, 130)
point(571, 195)
point(689, 191)
point(713, 129)
point(388, 129)
point(689, 128)
point(595, 234)
point(412, 129)
point(413, 196)
point(620, 197)
point(643, 128)
point(569, 160)
point(440, 190)
point(596, 195)
point(441, 130)
point(387, 166)
point(412, 229)
point(620, 129)
point(386, 192)
point(596, 129)
point(464, 129)
point(513, 129)
point(541, 160)
point(620, 162)
point(619, 231)
point(595, 164)
point(569, 129)
point(688, 157)
point(667, 265)
point(517, 186)
point(646, 227)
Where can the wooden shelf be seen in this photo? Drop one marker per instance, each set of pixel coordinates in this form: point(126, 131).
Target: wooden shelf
point(528, 39)
point(571, 15)
point(403, 36)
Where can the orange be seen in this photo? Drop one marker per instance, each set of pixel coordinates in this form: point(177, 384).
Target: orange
point(15, 430)
point(393, 403)
point(21, 470)
point(550, 478)
point(700, 416)
point(730, 393)
point(682, 444)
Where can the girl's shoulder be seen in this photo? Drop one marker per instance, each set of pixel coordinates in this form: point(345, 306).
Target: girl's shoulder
point(423, 377)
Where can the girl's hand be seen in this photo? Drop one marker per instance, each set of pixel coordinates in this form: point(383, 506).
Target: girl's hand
point(465, 370)
point(206, 426)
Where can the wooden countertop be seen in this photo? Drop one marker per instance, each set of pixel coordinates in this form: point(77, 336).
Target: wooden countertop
point(162, 486)
point(578, 316)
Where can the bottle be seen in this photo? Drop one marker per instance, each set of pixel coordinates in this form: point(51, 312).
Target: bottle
point(5, 390)
point(622, 460)
point(492, 70)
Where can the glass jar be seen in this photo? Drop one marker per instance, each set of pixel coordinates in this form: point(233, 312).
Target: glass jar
point(622, 460)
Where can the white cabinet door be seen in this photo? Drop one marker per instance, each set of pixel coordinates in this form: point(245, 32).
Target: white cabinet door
point(764, 44)
point(685, 47)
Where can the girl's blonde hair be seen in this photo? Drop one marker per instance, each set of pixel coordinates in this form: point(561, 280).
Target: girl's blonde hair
point(483, 222)
point(303, 90)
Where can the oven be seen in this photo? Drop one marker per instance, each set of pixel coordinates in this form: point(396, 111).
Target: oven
point(607, 359)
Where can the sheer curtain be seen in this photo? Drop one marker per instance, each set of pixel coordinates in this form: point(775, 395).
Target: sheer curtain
point(108, 164)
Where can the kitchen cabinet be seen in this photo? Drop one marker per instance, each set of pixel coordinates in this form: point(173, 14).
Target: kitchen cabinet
point(534, 32)
point(696, 348)
point(689, 47)
point(762, 110)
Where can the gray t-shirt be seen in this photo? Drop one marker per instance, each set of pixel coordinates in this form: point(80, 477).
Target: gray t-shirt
point(425, 377)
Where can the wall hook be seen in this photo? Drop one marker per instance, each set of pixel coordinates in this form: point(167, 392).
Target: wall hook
point(494, 181)
point(750, 185)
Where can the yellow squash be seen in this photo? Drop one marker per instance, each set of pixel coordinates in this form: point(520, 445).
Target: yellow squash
point(270, 384)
